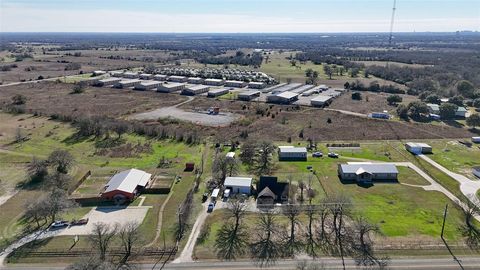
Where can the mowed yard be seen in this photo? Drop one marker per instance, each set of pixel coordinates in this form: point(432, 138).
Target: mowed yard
point(44, 136)
point(406, 214)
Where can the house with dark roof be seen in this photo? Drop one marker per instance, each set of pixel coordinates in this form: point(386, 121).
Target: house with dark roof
point(270, 191)
point(366, 173)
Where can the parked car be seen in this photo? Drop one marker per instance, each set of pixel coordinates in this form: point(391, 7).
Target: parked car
point(82, 221)
point(333, 155)
point(210, 207)
point(317, 154)
point(205, 197)
point(59, 224)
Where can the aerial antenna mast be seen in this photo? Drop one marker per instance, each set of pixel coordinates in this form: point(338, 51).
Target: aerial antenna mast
point(392, 22)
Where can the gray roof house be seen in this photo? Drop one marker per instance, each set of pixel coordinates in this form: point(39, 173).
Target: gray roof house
point(366, 173)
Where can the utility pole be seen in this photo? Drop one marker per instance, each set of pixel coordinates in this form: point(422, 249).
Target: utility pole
point(392, 22)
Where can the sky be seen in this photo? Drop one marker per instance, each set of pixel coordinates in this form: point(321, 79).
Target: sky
point(236, 16)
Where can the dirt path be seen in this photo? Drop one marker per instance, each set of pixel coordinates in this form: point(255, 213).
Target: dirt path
point(5, 197)
point(160, 220)
point(187, 252)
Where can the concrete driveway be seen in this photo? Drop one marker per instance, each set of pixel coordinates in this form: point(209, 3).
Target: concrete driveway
point(108, 215)
point(468, 187)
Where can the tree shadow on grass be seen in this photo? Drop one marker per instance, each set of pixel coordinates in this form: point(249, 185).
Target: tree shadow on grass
point(76, 138)
point(25, 250)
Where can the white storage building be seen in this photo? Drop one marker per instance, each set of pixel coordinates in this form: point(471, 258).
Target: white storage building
point(146, 76)
point(195, 90)
point(195, 80)
point(147, 85)
point(257, 85)
point(418, 148)
point(160, 77)
point(171, 87)
point(476, 171)
point(131, 75)
point(239, 185)
point(321, 101)
point(127, 83)
point(290, 153)
point(476, 139)
point(214, 82)
point(248, 95)
point(283, 98)
point(107, 82)
point(286, 88)
point(117, 74)
point(238, 84)
point(179, 79)
point(218, 92)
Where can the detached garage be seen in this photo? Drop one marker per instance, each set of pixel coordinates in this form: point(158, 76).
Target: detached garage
point(240, 185)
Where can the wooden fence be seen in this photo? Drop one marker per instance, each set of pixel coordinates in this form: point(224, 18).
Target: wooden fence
point(83, 252)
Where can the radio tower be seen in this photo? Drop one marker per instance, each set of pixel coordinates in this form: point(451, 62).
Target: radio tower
point(391, 23)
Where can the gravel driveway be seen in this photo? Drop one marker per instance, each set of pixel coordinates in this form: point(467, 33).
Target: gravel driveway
point(108, 215)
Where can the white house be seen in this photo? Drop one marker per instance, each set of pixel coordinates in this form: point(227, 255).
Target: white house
point(240, 185)
point(366, 173)
point(418, 148)
point(290, 153)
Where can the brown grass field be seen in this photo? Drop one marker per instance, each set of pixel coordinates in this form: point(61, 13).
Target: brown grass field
point(371, 102)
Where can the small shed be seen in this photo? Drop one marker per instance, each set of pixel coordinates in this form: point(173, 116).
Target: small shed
point(189, 166)
point(321, 101)
point(476, 139)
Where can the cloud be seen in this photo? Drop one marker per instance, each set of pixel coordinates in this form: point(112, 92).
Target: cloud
point(17, 18)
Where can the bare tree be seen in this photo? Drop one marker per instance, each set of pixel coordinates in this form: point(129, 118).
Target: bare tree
point(101, 237)
point(263, 161)
point(362, 244)
point(247, 153)
point(61, 159)
point(37, 170)
point(36, 211)
point(232, 238)
point(311, 244)
point(301, 186)
point(340, 207)
point(56, 202)
point(323, 213)
point(130, 237)
point(58, 180)
point(232, 166)
point(265, 250)
point(292, 213)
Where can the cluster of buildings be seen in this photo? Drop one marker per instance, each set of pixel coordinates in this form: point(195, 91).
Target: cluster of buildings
point(229, 74)
point(434, 110)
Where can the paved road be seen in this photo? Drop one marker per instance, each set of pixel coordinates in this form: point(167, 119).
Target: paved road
point(329, 263)
point(468, 187)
